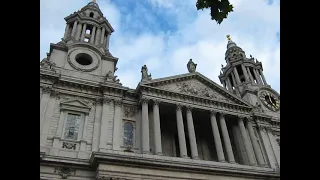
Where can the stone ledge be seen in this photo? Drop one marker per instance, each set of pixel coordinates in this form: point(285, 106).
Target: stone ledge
point(161, 162)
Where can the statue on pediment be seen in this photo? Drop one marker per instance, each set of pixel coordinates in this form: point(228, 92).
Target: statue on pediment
point(111, 77)
point(191, 66)
point(144, 72)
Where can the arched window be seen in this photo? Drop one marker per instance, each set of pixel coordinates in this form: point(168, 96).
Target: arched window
point(128, 134)
point(91, 14)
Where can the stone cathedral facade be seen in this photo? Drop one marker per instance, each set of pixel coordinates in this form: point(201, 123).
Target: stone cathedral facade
point(183, 127)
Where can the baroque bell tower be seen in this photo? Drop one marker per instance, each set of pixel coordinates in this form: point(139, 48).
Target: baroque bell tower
point(84, 49)
point(244, 77)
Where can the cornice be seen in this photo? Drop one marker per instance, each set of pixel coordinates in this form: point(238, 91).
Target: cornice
point(187, 76)
point(153, 161)
point(178, 97)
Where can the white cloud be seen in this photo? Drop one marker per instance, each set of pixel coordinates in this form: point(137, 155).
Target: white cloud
point(253, 26)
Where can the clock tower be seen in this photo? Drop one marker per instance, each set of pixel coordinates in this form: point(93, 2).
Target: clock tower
point(244, 77)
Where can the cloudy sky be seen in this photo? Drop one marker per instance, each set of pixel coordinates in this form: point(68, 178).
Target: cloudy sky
point(165, 34)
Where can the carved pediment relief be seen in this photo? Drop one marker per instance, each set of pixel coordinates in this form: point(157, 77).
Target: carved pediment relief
point(75, 105)
point(196, 88)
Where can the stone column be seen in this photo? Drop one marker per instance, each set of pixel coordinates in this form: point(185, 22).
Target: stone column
point(263, 130)
point(102, 35)
point(104, 123)
point(250, 75)
point(93, 33)
point(255, 144)
point(245, 73)
point(192, 135)
point(43, 103)
point(97, 125)
point(216, 137)
point(273, 145)
point(97, 38)
point(226, 139)
point(237, 75)
point(145, 126)
point(263, 78)
point(156, 127)
point(47, 118)
point(66, 32)
point(107, 41)
point(78, 33)
point(257, 76)
point(74, 28)
point(181, 135)
point(229, 84)
point(233, 79)
point(117, 125)
point(224, 84)
point(243, 131)
point(83, 34)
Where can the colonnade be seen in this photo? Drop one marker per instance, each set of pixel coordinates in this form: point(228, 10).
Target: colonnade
point(249, 77)
point(98, 35)
point(219, 139)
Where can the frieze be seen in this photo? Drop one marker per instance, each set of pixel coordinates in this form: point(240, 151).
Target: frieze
point(65, 172)
point(130, 111)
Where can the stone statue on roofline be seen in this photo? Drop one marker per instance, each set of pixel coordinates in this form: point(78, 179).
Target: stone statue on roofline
point(191, 66)
point(144, 73)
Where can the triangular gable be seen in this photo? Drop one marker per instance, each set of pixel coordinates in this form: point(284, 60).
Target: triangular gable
point(195, 84)
point(75, 105)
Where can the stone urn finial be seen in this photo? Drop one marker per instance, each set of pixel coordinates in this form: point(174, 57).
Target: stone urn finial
point(191, 66)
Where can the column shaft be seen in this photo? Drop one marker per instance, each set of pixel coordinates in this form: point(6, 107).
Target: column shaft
point(263, 78)
point(93, 33)
point(255, 144)
point(257, 76)
point(226, 139)
point(102, 35)
point(107, 41)
point(250, 75)
point(78, 33)
point(234, 79)
point(74, 28)
point(83, 34)
point(237, 75)
point(97, 38)
point(216, 137)
point(245, 73)
point(192, 136)
point(229, 84)
point(251, 158)
point(157, 129)
point(145, 127)
point(66, 32)
point(104, 123)
point(43, 104)
point(181, 134)
point(117, 125)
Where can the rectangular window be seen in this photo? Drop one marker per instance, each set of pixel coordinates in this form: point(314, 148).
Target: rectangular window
point(72, 126)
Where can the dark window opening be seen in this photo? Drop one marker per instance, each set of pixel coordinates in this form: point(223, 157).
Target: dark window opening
point(86, 40)
point(231, 81)
point(91, 14)
point(253, 75)
point(84, 59)
point(241, 74)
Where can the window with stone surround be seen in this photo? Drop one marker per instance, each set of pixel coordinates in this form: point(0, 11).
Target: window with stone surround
point(128, 134)
point(72, 126)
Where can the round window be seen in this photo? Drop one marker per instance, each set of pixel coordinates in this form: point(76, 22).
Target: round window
point(83, 59)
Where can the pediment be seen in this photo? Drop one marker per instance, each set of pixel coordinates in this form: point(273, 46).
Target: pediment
point(75, 104)
point(195, 84)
